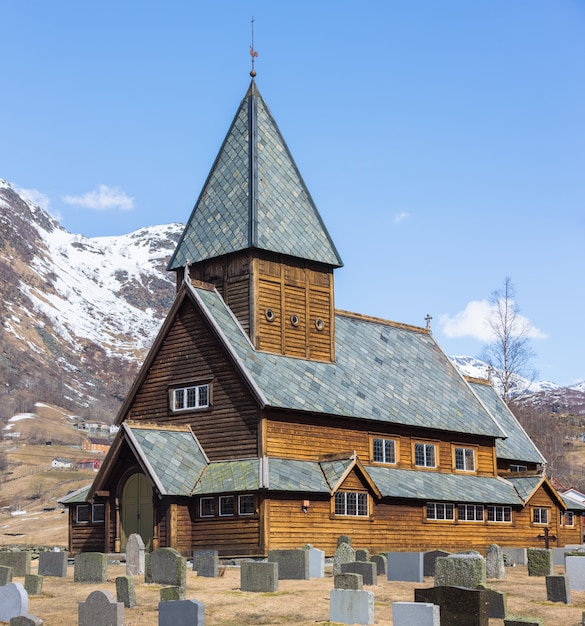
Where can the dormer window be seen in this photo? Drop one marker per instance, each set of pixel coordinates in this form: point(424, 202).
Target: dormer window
point(190, 398)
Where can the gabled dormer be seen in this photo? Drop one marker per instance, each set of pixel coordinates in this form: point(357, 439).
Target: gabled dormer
point(256, 235)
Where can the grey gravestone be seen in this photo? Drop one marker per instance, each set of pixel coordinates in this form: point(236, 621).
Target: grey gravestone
point(419, 613)
point(26, 620)
point(348, 581)
point(517, 555)
point(575, 572)
point(405, 566)
point(13, 601)
point(135, 555)
point(292, 564)
point(53, 564)
point(126, 591)
point(33, 583)
point(351, 607)
point(362, 555)
point(497, 604)
point(168, 567)
point(147, 569)
point(90, 567)
point(18, 561)
point(559, 555)
point(316, 562)
point(459, 606)
point(429, 559)
point(100, 609)
point(206, 563)
point(367, 570)
point(540, 562)
point(5, 575)
point(494, 563)
point(524, 621)
point(180, 612)
point(381, 562)
point(557, 589)
point(258, 576)
point(344, 554)
point(172, 593)
point(343, 539)
point(460, 570)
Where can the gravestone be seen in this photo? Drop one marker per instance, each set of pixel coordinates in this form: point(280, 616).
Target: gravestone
point(343, 539)
point(368, 571)
point(100, 609)
point(524, 621)
point(557, 589)
point(172, 593)
point(147, 569)
point(168, 567)
point(126, 591)
point(419, 613)
point(292, 564)
point(540, 562)
point(459, 606)
point(53, 564)
point(13, 601)
point(405, 566)
point(429, 559)
point(518, 556)
point(348, 581)
point(33, 583)
point(258, 576)
point(180, 612)
point(206, 563)
point(351, 607)
point(575, 572)
point(18, 561)
point(135, 555)
point(344, 554)
point(497, 604)
point(5, 575)
point(494, 563)
point(90, 567)
point(362, 555)
point(381, 561)
point(316, 561)
point(460, 570)
point(26, 620)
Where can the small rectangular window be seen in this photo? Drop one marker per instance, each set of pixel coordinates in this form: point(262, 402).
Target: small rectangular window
point(246, 505)
point(470, 513)
point(499, 513)
point(440, 511)
point(189, 398)
point(82, 513)
point(351, 503)
point(207, 507)
point(98, 513)
point(226, 505)
point(385, 451)
point(540, 516)
point(424, 455)
point(569, 518)
point(518, 468)
point(465, 459)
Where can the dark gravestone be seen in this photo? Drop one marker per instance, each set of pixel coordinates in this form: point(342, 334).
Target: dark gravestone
point(53, 564)
point(168, 567)
point(367, 570)
point(497, 600)
point(126, 591)
point(382, 562)
point(429, 559)
point(100, 609)
point(178, 612)
point(292, 564)
point(206, 563)
point(348, 581)
point(18, 561)
point(557, 589)
point(523, 621)
point(5, 575)
point(33, 583)
point(459, 606)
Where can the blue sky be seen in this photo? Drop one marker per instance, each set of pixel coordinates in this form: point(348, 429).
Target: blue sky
point(443, 142)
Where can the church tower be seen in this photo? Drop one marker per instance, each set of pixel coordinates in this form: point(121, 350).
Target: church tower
point(257, 236)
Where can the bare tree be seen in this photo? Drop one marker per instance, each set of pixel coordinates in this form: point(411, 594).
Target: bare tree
point(509, 354)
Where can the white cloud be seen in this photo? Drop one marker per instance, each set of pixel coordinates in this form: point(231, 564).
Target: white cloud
point(102, 199)
point(400, 217)
point(34, 195)
point(473, 322)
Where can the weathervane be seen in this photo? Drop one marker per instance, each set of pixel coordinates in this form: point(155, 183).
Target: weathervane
point(253, 52)
point(428, 319)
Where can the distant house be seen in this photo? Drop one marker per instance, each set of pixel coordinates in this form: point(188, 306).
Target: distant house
point(92, 464)
point(61, 463)
point(95, 444)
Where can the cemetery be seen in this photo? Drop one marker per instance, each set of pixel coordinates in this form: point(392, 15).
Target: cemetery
point(169, 588)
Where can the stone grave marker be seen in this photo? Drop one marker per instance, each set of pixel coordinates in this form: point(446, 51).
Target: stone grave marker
point(494, 563)
point(343, 539)
point(518, 556)
point(126, 591)
point(168, 567)
point(497, 604)
point(180, 612)
point(206, 563)
point(523, 621)
point(459, 606)
point(258, 576)
point(5, 575)
point(429, 559)
point(344, 554)
point(135, 555)
point(405, 566)
point(351, 607)
point(90, 567)
point(292, 564)
point(460, 570)
point(367, 570)
point(419, 613)
point(26, 620)
point(381, 561)
point(13, 601)
point(348, 581)
point(362, 555)
point(100, 609)
point(33, 583)
point(316, 562)
point(18, 561)
point(558, 589)
point(540, 562)
point(53, 564)
point(172, 593)
point(575, 572)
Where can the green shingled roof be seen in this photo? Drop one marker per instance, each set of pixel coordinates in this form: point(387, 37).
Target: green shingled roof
point(223, 476)
point(254, 197)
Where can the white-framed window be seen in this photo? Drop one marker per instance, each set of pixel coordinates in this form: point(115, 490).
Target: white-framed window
point(540, 515)
point(98, 513)
point(351, 503)
point(518, 468)
point(82, 513)
point(470, 512)
point(465, 459)
point(207, 507)
point(189, 398)
point(246, 505)
point(499, 513)
point(440, 511)
point(385, 451)
point(569, 518)
point(226, 505)
point(425, 455)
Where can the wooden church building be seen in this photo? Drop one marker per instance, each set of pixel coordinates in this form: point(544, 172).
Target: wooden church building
point(263, 418)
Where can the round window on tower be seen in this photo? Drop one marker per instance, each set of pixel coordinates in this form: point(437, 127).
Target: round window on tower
point(319, 324)
point(269, 315)
point(294, 319)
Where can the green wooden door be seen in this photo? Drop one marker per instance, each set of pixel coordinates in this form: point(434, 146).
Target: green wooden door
point(137, 513)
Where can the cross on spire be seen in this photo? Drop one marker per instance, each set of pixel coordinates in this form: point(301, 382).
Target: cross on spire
point(253, 52)
point(428, 319)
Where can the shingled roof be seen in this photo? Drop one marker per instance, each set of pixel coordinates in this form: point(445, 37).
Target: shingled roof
point(254, 197)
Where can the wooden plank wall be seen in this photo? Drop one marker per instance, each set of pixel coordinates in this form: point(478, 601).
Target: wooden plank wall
point(231, 537)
